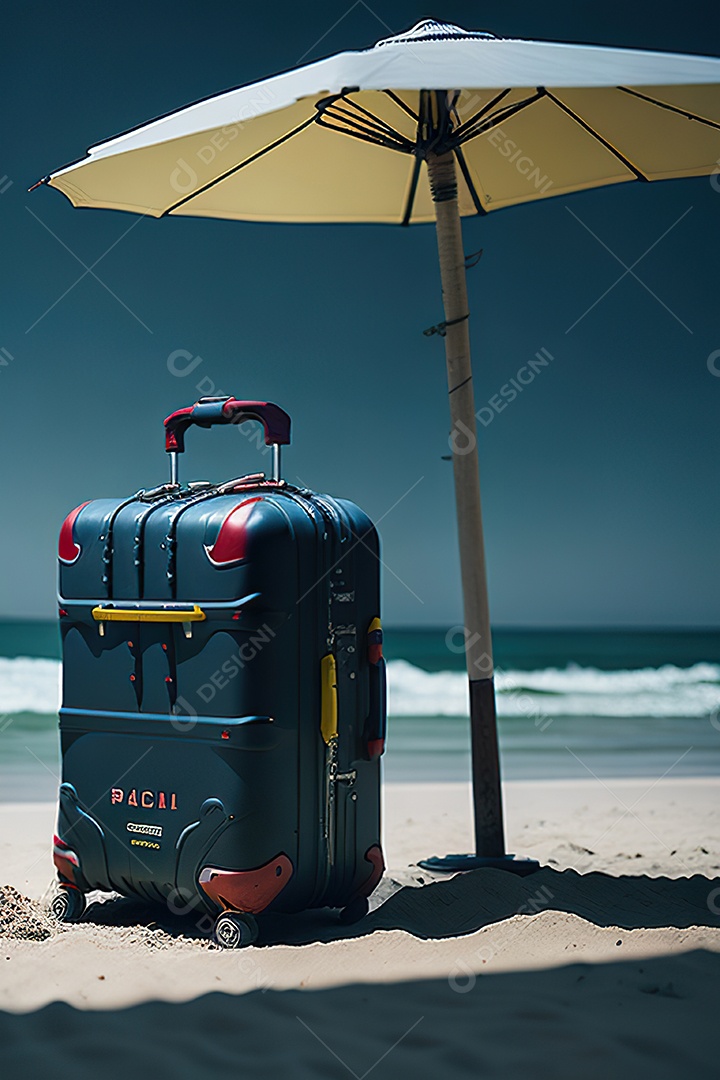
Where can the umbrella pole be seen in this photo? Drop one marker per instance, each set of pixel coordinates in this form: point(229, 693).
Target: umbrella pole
point(487, 795)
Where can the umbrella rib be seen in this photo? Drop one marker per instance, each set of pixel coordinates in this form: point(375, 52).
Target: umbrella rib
point(596, 135)
point(236, 168)
point(359, 133)
point(374, 125)
point(375, 119)
point(413, 189)
point(399, 101)
point(670, 108)
point(481, 112)
point(510, 110)
point(466, 176)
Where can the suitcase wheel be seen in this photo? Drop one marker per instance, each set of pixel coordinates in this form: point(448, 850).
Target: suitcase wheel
point(68, 905)
point(356, 910)
point(235, 930)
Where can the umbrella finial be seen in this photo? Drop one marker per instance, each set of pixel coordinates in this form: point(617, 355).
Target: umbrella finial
point(431, 30)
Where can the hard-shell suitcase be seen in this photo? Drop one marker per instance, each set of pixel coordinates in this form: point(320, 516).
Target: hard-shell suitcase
point(223, 703)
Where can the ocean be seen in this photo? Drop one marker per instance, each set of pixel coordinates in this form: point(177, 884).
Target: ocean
point(571, 703)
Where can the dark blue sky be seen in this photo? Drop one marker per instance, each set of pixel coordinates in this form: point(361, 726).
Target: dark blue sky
point(600, 481)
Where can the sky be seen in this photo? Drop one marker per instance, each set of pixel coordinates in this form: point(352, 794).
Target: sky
point(599, 482)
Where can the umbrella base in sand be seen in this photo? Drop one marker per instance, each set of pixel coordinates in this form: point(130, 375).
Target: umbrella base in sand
point(515, 864)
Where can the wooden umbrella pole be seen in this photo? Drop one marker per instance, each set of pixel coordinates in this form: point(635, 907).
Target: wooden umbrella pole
point(487, 796)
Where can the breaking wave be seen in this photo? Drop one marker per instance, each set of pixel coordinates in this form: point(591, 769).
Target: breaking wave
point(33, 685)
point(570, 691)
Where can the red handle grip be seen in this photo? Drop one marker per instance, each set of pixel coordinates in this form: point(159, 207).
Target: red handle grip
point(210, 411)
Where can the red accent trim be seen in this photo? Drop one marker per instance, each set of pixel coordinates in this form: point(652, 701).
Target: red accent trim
point(274, 419)
point(230, 544)
point(246, 890)
point(68, 550)
point(171, 442)
point(375, 646)
point(66, 862)
point(374, 856)
point(375, 748)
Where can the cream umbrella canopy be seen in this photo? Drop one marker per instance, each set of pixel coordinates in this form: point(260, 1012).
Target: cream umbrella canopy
point(433, 124)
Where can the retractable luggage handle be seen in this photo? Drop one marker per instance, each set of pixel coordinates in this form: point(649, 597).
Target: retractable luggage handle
point(226, 410)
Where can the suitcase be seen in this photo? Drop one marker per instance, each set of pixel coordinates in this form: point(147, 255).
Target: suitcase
point(223, 701)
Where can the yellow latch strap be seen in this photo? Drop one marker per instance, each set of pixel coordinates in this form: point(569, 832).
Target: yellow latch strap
point(329, 708)
point(113, 614)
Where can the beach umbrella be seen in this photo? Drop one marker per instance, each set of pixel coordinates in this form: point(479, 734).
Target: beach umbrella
point(430, 125)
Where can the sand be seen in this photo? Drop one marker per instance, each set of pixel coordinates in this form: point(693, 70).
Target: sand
point(605, 963)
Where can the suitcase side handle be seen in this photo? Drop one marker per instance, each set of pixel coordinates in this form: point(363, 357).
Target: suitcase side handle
point(208, 412)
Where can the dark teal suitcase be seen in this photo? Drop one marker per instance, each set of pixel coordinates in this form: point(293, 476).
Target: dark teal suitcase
point(223, 704)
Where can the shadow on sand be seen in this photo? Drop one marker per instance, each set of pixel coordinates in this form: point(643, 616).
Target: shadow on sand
point(468, 902)
point(628, 1019)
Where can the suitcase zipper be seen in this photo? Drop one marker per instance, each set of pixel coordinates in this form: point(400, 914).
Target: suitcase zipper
point(342, 641)
point(332, 779)
point(304, 499)
point(335, 530)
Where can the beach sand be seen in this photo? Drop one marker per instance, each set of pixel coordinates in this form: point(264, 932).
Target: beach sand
point(605, 963)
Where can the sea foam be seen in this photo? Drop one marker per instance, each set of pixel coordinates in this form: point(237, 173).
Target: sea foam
point(570, 691)
point(29, 684)
point(33, 685)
